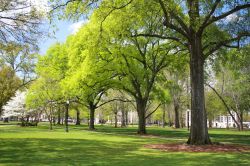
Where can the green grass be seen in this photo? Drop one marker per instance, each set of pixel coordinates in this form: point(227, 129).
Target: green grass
point(109, 146)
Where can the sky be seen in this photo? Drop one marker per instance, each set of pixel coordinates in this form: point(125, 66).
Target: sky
point(62, 30)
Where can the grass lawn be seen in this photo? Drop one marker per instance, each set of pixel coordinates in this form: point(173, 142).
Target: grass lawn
point(109, 146)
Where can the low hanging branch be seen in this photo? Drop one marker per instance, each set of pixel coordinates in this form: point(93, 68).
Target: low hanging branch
point(111, 100)
point(225, 104)
point(153, 111)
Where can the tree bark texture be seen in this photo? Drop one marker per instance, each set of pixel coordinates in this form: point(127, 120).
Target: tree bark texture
point(141, 109)
point(91, 117)
point(78, 121)
point(199, 132)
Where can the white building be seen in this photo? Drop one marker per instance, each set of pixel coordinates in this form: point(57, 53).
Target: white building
point(223, 121)
point(219, 122)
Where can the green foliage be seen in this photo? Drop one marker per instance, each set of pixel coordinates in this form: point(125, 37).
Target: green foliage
point(233, 74)
point(51, 69)
point(214, 106)
point(9, 83)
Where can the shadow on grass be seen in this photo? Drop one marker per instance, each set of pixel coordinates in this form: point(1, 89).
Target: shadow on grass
point(160, 132)
point(217, 135)
point(231, 138)
point(94, 152)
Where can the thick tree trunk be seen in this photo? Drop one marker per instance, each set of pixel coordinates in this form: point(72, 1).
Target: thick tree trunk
point(116, 120)
point(210, 123)
point(91, 117)
point(123, 117)
point(227, 123)
point(78, 121)
point(50, 124)
point(66, 117)
point(59, 116)
point(141, 109)
point(241, 121)
point(54, 120)
point(199, 132)
point(176, 112)
point(126, 113)
point(170, 123)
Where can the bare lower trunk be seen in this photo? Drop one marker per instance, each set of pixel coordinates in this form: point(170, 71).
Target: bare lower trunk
point(78, 121)
point(116, 119)
point(92, 117)
point(163, 116)
point(170, 123)
point(123, 118)
point(126, 117)
point(66, 118)
point(59, 116)
point(50, 124)
point(54, 120)
point(176, 112)
point(241, 121)
point(227, 123)
point(210, 123)
point(199, 132)
point(141, 109)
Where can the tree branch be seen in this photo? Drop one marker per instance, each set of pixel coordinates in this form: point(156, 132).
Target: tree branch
point(153, 111)
point(204, 24)
point(170, 25)
point(161, 37)
point(224, 15)
point(224, 43)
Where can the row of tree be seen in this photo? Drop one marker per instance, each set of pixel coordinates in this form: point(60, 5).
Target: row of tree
point(139, 47)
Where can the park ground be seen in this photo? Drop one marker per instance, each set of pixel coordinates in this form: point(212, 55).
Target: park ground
point(111, 146)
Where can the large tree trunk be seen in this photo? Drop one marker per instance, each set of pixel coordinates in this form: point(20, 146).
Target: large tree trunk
point(78, 121)
point(116, 120)
point(123, 117)
point(91, 117)
point(176, 112)
point(170, 123)
point(241, 121)
point(199, 132)
point(126, 113)
point(141, 109)
point(50, 122)
point(54, 120)
point(59, 116)
point(66, 117)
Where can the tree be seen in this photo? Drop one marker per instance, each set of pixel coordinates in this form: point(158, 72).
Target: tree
point(193, 28)
point(89, 75)
point(190, 26)
point(233, 77)
point(21, 59)
point(16, 107)
point(46, 93)
point(214, 106)
point(20, 22)
point(9, 83)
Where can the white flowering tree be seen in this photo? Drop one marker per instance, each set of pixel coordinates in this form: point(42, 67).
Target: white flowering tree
point(15, 107)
